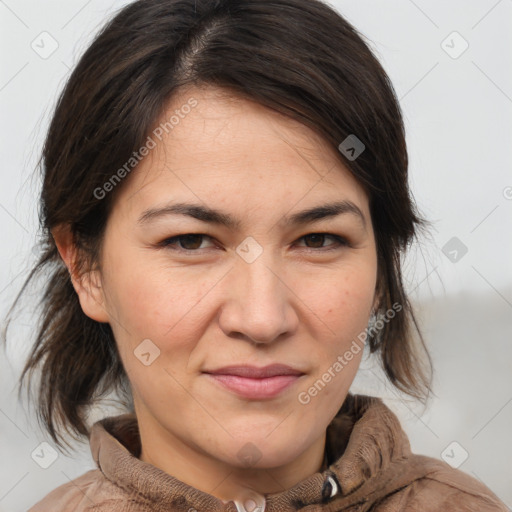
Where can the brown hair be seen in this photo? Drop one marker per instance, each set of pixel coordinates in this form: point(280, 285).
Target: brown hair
point(298, 57)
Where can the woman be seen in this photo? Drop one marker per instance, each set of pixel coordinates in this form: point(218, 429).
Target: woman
point(267, 133)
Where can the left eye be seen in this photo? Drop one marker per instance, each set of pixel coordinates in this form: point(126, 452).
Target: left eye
point(191, 242)
point(319, 238)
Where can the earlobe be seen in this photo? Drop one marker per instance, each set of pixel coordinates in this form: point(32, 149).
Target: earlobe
point(87, 285)
point(91, 296)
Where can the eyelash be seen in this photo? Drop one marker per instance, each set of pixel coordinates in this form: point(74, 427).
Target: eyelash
point(170, 242)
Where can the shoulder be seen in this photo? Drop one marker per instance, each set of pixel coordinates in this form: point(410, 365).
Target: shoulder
point(445, 488)
point(90, 491)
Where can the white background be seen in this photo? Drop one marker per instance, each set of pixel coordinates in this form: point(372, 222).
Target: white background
point(458, 114)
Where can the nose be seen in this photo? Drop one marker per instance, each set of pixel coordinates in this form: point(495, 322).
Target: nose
point(258, 303)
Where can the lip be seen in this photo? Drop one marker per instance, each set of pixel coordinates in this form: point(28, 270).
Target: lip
point(255, 383)
point(254, 372)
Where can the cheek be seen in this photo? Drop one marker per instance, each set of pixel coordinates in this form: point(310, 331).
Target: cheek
point(152, 306)
point(343, 300)
point(159, 303)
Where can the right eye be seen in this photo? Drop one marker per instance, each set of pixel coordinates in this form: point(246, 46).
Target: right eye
point(189, 242)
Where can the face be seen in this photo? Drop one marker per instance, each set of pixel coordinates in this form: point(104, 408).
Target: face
point(188, 292)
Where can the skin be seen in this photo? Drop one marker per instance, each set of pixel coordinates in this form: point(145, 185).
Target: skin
point(297, 303)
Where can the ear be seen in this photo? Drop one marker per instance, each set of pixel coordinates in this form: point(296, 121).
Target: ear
point(88, 285)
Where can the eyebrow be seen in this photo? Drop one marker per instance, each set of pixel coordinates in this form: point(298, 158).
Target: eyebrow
point(212, 216)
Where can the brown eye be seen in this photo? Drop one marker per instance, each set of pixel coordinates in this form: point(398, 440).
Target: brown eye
point(190, 242)
point(316, 241)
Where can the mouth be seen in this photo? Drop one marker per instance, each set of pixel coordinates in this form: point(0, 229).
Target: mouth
point(255, 383)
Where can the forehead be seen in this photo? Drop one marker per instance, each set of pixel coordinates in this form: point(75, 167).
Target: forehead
point(210, 145)
point(231, 127)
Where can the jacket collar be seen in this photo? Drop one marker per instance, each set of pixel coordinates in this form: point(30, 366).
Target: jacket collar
point(363, 441)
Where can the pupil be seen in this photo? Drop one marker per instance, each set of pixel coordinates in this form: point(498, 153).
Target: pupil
point(190, 238)
point(319, 239)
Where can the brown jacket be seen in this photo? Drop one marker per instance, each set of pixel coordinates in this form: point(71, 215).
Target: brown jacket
point(369, 467)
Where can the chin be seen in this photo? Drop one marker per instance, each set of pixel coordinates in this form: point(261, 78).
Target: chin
point(260, 452)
